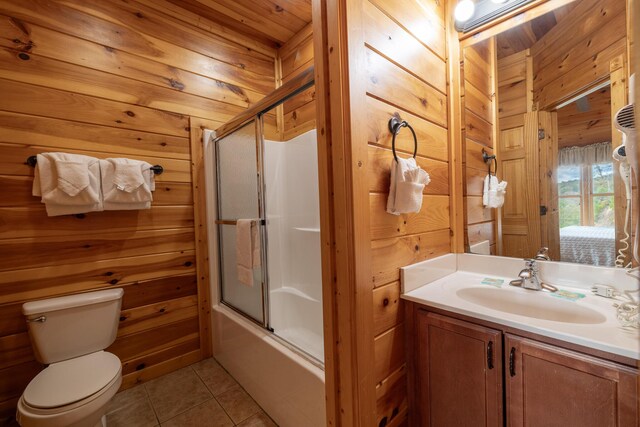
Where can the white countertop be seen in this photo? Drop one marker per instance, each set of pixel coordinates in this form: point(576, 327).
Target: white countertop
point(438, 282)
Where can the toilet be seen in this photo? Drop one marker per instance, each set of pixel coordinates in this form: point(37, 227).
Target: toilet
point(69, 334)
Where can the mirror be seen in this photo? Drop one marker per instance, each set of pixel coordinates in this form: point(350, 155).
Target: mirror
point(540, 97)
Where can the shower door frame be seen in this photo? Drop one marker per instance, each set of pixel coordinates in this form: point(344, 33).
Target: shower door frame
point(227, 130)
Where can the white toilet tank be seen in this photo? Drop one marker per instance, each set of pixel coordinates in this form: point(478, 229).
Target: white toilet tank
point(71, 326)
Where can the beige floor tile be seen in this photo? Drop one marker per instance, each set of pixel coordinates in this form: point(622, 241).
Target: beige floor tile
point(258, 420)
point(209, 414)
point(176, 392)
point(214, 376)
point(131, 408)
point(238, 404)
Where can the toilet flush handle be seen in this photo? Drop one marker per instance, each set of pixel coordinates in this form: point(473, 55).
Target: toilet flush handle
point(38, 319)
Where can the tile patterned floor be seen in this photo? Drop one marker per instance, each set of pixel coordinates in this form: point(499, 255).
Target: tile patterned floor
point(203, 394)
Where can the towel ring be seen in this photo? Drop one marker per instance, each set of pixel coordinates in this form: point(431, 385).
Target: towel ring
point(487, 159)
point(33, 161)
point(395, 124)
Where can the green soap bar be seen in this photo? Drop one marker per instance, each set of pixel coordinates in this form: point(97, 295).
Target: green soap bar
point(493, 282)
point(571, 296)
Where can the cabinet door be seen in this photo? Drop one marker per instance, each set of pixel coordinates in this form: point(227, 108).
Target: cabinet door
point(548, 386)
point(459, 378)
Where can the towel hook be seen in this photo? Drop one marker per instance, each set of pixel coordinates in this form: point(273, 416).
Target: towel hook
point(33, 161)
point(487, 159)
point(395, 124)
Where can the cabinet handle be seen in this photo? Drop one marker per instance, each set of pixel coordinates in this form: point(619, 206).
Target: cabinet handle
point(512, 362)
point(490, 355)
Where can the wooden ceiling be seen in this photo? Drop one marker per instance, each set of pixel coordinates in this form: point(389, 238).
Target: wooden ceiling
point(586, 122)
point(526, 35)
point(271, 21)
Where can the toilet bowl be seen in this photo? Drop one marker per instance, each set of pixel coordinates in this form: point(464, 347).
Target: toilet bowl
point(50, 402)
point(70, 334)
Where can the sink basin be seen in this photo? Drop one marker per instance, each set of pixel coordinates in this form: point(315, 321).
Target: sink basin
point(531, 304)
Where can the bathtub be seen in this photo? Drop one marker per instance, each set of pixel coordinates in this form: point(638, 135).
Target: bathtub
point(288, 385)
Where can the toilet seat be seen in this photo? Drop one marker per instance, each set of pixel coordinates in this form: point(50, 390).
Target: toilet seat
point(85, 412)
point(70, 381)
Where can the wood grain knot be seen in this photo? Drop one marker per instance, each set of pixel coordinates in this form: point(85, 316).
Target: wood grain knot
point(140, 367)
point(123, 318)
point(385, 302)
point(383, 422)
point(24, 56)
point(279, 8)
point(113, 281)
point(176, 84)
point(417, 248)
point(130, 113)
point(188, 264)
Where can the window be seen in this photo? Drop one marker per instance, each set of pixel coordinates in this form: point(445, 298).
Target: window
point(603, 214)
point(569, 195)
point(585, 195)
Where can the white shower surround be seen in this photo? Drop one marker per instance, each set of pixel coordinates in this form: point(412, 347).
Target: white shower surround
point(293, 230)
point(288, 386)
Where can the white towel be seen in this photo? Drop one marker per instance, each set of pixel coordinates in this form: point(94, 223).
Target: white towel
point(493, 192)
point(407, 183)
point(126, 184)
point(248, 253)
point(68, 183)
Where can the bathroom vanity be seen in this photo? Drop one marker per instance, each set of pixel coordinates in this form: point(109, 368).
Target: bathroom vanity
point(484, 352)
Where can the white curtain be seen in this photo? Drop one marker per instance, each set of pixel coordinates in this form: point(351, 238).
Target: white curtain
point(587, 155)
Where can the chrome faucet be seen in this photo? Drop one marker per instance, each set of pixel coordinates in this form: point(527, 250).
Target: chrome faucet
point(543, 254)
point(529, 279)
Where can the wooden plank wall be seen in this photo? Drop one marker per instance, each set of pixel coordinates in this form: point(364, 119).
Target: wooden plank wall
point(406, 75)
point(479, 119)
point(578, 128)
point(577, 52)
point(299, 113)
point(111, 79)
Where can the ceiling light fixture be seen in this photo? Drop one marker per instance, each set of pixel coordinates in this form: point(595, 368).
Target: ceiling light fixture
point(464, 10)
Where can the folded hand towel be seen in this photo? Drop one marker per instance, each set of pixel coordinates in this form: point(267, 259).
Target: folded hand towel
point(407, 183)
point(126, 184)
point(67, 183)
point(493, 192)
point(248, 251)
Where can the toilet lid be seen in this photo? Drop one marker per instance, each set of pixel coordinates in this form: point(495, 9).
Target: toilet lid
point(72, 380)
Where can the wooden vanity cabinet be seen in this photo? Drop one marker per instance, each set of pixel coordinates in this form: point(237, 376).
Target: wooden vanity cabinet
point(460, 368)
point(459, 373)
point(550, 386)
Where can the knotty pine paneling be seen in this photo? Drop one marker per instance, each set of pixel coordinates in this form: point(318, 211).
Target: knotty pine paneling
point(578, 128)
point(479, 125)
point(298, 114)
point(406, 76)
point(112, 79)
point(577, 52)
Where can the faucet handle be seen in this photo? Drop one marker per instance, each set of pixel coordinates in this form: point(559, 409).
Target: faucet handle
point(530, 263)
point(543, 254)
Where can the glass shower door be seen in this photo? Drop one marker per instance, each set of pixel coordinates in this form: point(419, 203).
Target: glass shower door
point(238, 158)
